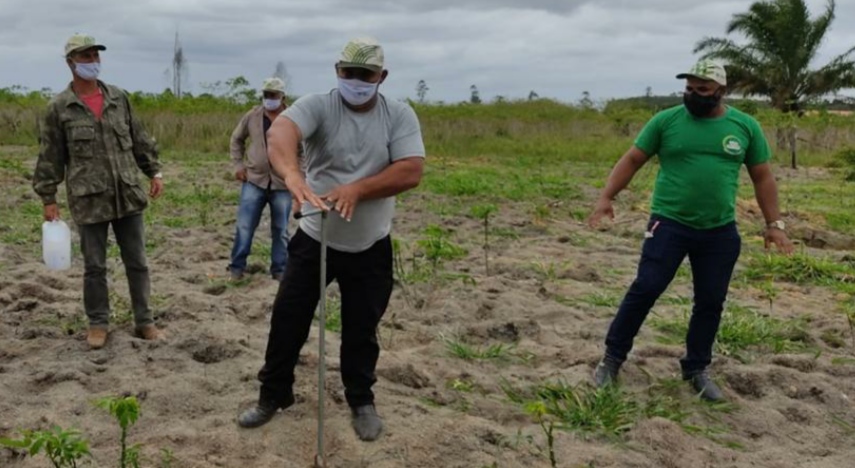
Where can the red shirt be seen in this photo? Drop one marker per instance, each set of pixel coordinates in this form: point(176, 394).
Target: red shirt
point(95, 103)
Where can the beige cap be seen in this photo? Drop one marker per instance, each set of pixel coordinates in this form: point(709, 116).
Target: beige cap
point(79, 42)
point(273, 84)
point(707, 70)
point(362, 52)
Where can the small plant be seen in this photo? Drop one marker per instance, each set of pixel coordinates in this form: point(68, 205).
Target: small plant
point(538, 410)
point(770, 292)
point(437, 248)
point(461, 385)
point(542, 214)
point(848, 309)
point(166, 458)
point(847, 157)
point(483, 213)
point(126, 411)
point(547, 271)
point(65, 448)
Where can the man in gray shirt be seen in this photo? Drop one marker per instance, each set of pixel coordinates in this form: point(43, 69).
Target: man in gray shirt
point(361, 150)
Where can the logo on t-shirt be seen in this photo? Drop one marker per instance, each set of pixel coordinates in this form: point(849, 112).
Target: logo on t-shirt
point(732, 146)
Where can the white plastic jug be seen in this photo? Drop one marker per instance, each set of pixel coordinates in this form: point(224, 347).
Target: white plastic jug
point(56, 245)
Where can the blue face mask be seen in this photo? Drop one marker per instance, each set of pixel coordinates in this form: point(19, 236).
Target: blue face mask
point(356, 92)
point(87, 71)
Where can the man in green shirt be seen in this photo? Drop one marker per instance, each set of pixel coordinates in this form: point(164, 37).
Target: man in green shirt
point(702, 146)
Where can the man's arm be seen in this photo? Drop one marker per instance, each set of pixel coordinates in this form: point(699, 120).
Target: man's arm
point(619, 178)
point(50, 167)
point(766, 192)
point(402, 175)
point(145, 152)
point(145, 148)
point(237, 146)
point(283, 140)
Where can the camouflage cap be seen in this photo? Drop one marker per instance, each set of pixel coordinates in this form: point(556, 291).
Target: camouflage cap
point(273, 84)
point(362, 52)
point(79, 42)
point(707, 70)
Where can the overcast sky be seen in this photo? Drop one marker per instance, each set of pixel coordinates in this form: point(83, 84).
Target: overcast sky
point(559, 48)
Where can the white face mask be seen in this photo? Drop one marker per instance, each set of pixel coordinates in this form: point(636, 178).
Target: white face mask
point(356, 92)
point(87, 71)
point(272, 104)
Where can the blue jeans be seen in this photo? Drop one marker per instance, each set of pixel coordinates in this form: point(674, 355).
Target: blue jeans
point(712, 254)
point(252, 202)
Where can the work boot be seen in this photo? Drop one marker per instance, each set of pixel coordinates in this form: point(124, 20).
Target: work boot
point(366, 422)
point(606, 372)
point(278, 276)
point(703, 384)
point(262, 412)
point(235, 275)
point(150, 332)
point(96, 337)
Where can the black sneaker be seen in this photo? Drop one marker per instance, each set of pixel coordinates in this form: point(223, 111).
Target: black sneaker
point(262, 413)
point(703, 384)
point(606, 372)
point(366, 422)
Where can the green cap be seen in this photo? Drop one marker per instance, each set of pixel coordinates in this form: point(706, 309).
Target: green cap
point(707, 70)
point(273, 84)
point(79, 42)
point(362, 52)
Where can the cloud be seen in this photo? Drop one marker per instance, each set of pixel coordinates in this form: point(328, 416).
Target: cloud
point(559, 49)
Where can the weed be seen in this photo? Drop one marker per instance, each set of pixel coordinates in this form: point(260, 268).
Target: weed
point(602, 299)
point(742, 329)
point(458, 348)
point(799, 268)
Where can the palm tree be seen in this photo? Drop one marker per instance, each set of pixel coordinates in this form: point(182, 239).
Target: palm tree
point(775, 62)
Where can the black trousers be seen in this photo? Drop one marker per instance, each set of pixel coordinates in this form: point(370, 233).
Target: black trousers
point(712, 253)
point(365, 282)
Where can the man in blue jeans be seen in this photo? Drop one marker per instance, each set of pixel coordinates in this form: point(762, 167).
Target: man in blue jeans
point(261, 185)
point(702, 146)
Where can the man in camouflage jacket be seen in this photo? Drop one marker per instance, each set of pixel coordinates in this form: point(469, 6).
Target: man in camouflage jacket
point(91, 139)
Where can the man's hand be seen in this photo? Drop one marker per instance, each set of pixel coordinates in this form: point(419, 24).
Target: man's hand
point(602, 208)
point(301, 192)
point(51, 212)
point(780, 239)
point(344, 198)
point(240, 175)
point(156, 187)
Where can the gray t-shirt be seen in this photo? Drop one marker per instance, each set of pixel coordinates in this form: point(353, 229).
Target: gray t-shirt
point(343, 146)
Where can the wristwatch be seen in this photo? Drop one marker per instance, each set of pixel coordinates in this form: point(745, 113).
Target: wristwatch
point(159, 175)
point(779, 224)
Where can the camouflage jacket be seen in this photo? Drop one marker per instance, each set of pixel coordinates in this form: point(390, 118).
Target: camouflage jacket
point(98, 159)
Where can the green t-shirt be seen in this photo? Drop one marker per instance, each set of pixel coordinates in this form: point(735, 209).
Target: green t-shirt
point(699, 163)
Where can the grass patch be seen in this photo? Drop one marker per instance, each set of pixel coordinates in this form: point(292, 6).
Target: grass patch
point(602, 299)
point(799, 268)
point(611, 411)
point(456, 347)
point(743, 330)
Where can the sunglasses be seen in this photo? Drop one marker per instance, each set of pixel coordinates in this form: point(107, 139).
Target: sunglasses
point(355, 73)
